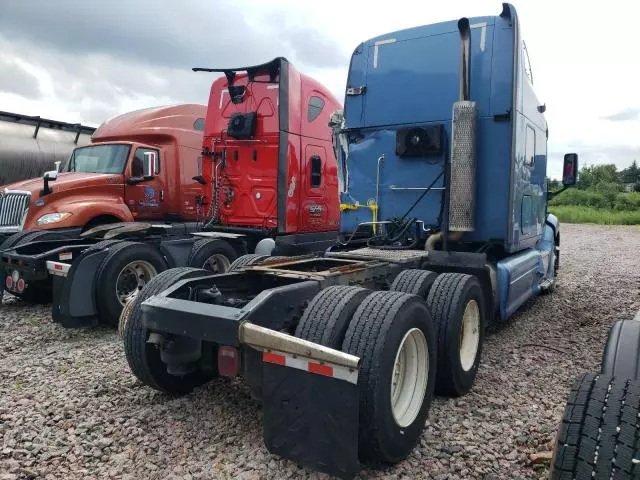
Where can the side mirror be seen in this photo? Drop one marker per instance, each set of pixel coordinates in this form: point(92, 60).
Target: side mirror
point(51, 175)
point(149, 165)
point(570, 169)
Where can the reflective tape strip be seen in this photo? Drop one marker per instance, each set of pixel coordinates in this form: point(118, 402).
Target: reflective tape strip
point(301, 363)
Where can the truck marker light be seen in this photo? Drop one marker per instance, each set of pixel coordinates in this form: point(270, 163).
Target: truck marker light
point(228, 365)
point(324, 369)
point(21, 285)
point(8, 282)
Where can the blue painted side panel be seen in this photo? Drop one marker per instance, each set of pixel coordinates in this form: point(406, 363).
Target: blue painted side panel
point(529, 165)
point(520, 275)
point(517, 280)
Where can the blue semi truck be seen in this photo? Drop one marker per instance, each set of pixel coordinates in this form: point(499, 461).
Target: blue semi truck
point(442, 151)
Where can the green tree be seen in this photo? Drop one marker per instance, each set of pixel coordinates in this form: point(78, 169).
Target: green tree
point(553, 185)
point(630, 174)
point(592, 175)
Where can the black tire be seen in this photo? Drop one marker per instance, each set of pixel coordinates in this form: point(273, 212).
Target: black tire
point(447, 300)
point(598, 436)
point(119, 255)
point(203, 250)
point(556, 265)
point(375, 333)
point(34, 292)
point(417, 282)
point(327, 317)
point(246, 260)
point(621, 357)
point(144, 358)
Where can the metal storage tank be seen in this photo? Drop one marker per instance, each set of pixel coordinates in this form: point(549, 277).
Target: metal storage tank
point(29, 146)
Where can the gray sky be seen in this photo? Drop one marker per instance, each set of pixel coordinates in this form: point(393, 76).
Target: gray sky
point(85, 61)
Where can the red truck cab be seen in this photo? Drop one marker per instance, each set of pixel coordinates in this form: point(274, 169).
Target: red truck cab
point(271, 160)
point(139, 166)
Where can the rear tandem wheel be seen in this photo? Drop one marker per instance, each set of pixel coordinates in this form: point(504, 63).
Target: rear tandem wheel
point(394, 335)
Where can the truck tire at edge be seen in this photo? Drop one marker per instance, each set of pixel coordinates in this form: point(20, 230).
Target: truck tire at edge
point(598, 432)
point(143, 357)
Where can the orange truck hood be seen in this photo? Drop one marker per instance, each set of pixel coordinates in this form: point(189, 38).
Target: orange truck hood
point(66, 181)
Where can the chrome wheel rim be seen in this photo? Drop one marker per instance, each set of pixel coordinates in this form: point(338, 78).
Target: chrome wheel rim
point(132, 278)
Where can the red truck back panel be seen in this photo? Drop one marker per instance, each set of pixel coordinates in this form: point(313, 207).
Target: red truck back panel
point(261, 179)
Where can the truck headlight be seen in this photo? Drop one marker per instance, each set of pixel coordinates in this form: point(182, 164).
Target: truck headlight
point(52, 218)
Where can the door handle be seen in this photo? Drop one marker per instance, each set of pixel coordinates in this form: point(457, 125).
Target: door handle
point(161, 195)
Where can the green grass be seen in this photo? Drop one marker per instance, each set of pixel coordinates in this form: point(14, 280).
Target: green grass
point(579, 214)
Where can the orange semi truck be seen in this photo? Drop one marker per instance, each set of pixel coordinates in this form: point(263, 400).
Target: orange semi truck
point(106, 182)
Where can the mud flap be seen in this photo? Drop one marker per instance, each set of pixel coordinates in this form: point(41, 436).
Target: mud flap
point(311, 419)
point(74, 303)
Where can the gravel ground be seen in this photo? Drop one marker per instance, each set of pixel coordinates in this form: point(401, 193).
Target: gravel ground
point(70, 408)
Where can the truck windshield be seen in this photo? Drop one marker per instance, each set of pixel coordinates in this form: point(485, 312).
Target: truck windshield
point(98, 159)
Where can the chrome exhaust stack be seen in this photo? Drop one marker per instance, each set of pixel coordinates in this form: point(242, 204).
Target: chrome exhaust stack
point(462, 180)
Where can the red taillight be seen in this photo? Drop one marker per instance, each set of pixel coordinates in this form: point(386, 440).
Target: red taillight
point(21, 263)
point(228, 361)
point(58, 266)
point(20, 285)
point(8, 282)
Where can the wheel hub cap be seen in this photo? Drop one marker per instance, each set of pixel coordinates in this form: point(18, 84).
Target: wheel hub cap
point(469, 335)
point(409, 377)
point(132, 278)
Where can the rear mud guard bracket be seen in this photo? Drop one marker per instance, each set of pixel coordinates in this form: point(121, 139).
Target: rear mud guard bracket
point(311, 419)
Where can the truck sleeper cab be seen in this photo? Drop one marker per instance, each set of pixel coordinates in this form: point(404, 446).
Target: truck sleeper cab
point(346, 349)
point(268, 152)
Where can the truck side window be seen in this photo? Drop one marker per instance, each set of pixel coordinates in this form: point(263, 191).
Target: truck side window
point(199, 124)
point(316, 171)
point(139, 160)
point(530, 146)
point(316, 104)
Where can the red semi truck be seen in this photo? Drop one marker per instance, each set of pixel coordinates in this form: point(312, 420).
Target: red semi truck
point(266, 178)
